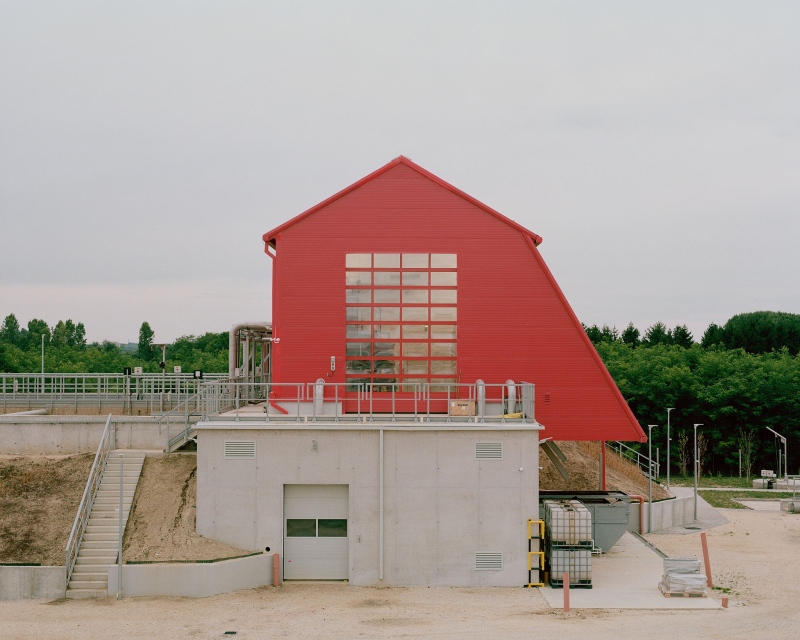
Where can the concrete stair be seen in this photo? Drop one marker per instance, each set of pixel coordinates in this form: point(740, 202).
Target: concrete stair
point(100, 542)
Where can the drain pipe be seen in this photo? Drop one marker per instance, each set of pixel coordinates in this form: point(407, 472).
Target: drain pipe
point(233, 351)
point(380, 500)
point(640, 499)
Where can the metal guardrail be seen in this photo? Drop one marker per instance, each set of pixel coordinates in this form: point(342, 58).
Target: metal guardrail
point(320, 401)
point(150, 391)
point(180, 415)
point(645, 464)
point(108, 443)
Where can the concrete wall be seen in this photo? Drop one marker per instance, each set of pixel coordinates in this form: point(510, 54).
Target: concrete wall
point(192, 580)
point(441, 505)
point(22, 583)
point(75, 434)
point(666, 514)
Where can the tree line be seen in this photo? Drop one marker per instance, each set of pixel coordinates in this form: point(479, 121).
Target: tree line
point(67, 351)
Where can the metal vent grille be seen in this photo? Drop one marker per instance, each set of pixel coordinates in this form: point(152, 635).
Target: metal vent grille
point(240, 449)
point(489, 450)
point(488, 561)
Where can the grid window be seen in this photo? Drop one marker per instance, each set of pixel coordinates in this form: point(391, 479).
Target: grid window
point(401, 315)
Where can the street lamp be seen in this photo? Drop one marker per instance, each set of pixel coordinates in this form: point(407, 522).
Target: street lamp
point(785, 463)
point(650, 476)
point(695, 469)
point(669, 442)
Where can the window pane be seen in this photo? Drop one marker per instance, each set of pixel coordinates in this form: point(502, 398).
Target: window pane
point(385, 385)
point(355, 384)
point(415, 331)
point(358, 277)
point(358, 260)
point(416, 367)
point(358, 331)
point(387, 295)
point(443, 331)
point(358, 349)
point(301, 528)
point(387, 313)
point(444, 296)
point(443, 313)
point(387, 278)
point(415, 296)
point(390, 331)
point(412, 314)
point(443, 366)
point(387, 260)
point(443, 279)
point(361, 296)
point(387, 366)
point(444, 261)
point(410, 385)
point(358, 366)
point(440, 385)
point(415, 261)
point(332, 528)
point(443, 349)
point(415, 349)
point(415, 278)
point(359, 314)
point(387, 349)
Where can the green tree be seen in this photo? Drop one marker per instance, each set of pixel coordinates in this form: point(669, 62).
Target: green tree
point(682, 337)
point(713, 335)
point(36, 329)
point(657, 334)
point(9, 331)
point(145, 342)
point(631, 335)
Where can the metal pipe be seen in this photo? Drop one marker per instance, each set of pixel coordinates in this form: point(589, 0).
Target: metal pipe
point(695, 469)
point(380, 502)
point(669, 445)
point(650, 476)
point(640, 500)
point(121, 529)
point(233, 351)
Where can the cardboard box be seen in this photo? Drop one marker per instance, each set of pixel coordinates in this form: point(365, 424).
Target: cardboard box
point(462, 408)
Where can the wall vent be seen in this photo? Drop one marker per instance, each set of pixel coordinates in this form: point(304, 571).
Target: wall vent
point(240, 449)
point(488, 561)
point(488, 450)
point(547, 398)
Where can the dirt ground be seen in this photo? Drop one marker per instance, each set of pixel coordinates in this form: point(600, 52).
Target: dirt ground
point(161, 525)
point(753, 559)
point(39, 497)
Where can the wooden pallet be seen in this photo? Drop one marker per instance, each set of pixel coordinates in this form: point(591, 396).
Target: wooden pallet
point(680, 594)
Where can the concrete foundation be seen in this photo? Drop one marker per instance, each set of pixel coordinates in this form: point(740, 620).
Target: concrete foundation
point(193, 580)
point(666, 514)
point(23, 583)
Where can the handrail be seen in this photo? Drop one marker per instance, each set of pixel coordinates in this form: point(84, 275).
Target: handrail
point(107, 444)
point(645, 464)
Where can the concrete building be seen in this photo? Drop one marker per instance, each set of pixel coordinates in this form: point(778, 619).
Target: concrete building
point(418, 341)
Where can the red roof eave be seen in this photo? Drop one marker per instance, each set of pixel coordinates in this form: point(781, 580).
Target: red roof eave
point(270, 237)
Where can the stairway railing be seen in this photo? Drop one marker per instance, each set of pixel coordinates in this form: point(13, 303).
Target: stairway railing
point(108, 443)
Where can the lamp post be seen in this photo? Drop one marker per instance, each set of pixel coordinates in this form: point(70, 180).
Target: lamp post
point(695, 469)
point(650, 476)
point(785, 463)
point(669, 442)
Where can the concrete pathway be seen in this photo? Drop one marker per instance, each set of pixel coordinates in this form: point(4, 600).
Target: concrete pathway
point(707, 516)
point(626, 577)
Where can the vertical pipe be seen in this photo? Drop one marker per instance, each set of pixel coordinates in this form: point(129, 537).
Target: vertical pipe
point(121, 529)
point(566, 592)
point(603, 458)
point(706, 559)
point(276, 569)
point(380, 501)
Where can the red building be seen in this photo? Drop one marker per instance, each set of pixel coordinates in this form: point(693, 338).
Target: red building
point(402, 282)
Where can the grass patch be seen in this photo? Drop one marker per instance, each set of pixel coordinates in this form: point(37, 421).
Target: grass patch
point(712, 481)
point(727, 499)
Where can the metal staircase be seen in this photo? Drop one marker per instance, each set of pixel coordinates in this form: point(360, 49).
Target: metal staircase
point(99, 545)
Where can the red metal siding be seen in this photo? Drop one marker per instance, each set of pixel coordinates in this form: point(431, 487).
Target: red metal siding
point(513, 321)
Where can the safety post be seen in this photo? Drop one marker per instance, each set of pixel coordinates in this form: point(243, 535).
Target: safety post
point(706, 560)
point(566, 592)
point(276, 569)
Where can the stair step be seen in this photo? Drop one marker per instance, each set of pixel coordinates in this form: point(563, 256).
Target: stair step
point(90, 572)
point(98, 553)
point(78, 594)
point(108, 544)
point(89, 584)
point(92, 529)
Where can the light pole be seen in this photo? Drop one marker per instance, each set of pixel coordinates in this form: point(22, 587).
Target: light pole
point(785, 463)
point(695, 469)
point(669, 442)
point(650, 477)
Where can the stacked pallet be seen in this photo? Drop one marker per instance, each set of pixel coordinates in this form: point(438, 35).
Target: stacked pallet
point(683, 577)
point(568, 532)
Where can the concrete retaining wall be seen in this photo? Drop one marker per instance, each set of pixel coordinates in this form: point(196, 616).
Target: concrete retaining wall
point(22, 583)
point(75, 434)
point(666, 514)
point(192, 580)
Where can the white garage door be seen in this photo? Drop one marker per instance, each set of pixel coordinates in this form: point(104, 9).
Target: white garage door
point(315, 532)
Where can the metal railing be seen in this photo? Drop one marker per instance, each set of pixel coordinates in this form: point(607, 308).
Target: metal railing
point(185, 414)
point(147, 391)
point(320, 401)
point(645, 464)
point(108, 443)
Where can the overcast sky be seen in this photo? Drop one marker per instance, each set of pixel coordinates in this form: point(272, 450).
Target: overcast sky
point(145, 147)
